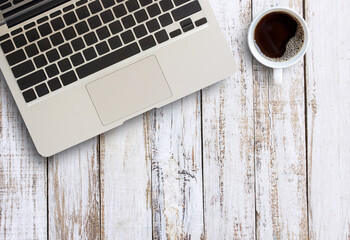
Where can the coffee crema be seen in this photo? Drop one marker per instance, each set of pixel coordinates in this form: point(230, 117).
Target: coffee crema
point(279, 36)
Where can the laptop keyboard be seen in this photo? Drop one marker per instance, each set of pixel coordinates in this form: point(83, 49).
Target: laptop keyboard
point(88, 36)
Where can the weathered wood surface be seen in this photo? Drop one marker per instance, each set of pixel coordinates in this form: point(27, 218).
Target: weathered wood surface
point(23, 201)
point(328, 118)
point(243, 159)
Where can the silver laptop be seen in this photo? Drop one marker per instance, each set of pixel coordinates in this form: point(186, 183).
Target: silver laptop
point(80, 68)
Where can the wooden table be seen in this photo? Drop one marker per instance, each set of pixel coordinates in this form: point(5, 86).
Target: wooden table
point(242, 159)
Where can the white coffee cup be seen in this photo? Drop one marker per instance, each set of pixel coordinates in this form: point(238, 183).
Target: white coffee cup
point(277, 66)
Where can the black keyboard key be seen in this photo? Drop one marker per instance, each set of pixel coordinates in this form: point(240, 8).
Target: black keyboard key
point(186, 25)
point(145, 2)
point(166, 5)
point(40, 61)
point(68, 8)
point(108, 3)
point(147, 42)
point(153, 10)
point(186, 10)
point(132, 5)
point(56, 39)
point(78, 44)
point(69, 33)
point(127, 36)
point(29, 25)
point(41, 90)
point(115, 42)
point(55, 14)
point(116, 27)
point(165, 20)
point(54, 84)
point(7, 46)
point(52, 70)
point(94, 22)
point(17, 31)
point(32, 35)
point(141, 16)
point(102, 48)
point(175, 33)
point(108, 60)
point(44, 44)
point(65, 50)
point(70, 18)
point(82, 12)
point(64, 65)
point(45, 29)
point(89, 53)
point(68, 78)
point(81, 28)
point(179, 2)
point(161, 36)
point(23, 69)
point(16, 57)
point(140, 31)
point(29, 95)
point(52, 55)
point(4, 37)
point(31, 50)
point(128, 21)
point(103, 33)
point(90, 38)
point(152, 25)
point(200, 22)
point(119, 10)
point(95, 7)
point(107, 16)
point(57, 24)
point(20, 41)
point(43, 19)
point(77, 59)
point(31, 79)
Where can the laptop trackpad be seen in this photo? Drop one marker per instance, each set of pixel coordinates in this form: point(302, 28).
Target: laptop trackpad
point(129, 90)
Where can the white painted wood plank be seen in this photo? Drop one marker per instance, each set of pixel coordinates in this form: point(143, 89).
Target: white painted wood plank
point(280, 154)
point(328, 88)
point(228, 135)
point(173, 143)
point(125, 183)
point(74, 200)
point(22, 176)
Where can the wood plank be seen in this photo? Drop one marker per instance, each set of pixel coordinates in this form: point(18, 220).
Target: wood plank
point(328, 111)
point(126, 183)
point(22, 176)
point(280, 153)
point(228, 135)
point(173, 143)
point(74, 199)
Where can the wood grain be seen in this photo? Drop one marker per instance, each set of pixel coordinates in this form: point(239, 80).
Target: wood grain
point(328, 87)
point(280, 153)
point(228, 135)
point(173, 145)
point(126, 183)
point(22, 176)
point(74, 200)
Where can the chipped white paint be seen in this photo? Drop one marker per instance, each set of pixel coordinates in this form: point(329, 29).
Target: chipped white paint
point(22, 177)
point(74, 201)
point(125, 183)
point(173, 144)
point(228, 135)
point(328, 88)
point(280, 152)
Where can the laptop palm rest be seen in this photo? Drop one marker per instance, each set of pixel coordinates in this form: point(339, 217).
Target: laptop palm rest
point(129, 90)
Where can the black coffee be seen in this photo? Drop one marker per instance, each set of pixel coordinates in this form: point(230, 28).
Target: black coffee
point(279, 36)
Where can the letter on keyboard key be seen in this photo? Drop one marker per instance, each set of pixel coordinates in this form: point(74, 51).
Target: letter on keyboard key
point(108, 60)
point(31, 79)
point(23, 69)
point(186, 10)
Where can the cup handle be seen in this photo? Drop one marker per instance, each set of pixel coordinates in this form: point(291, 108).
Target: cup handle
point(277, 75)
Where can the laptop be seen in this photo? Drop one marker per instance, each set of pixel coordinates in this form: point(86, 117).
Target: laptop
point(79, 68)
